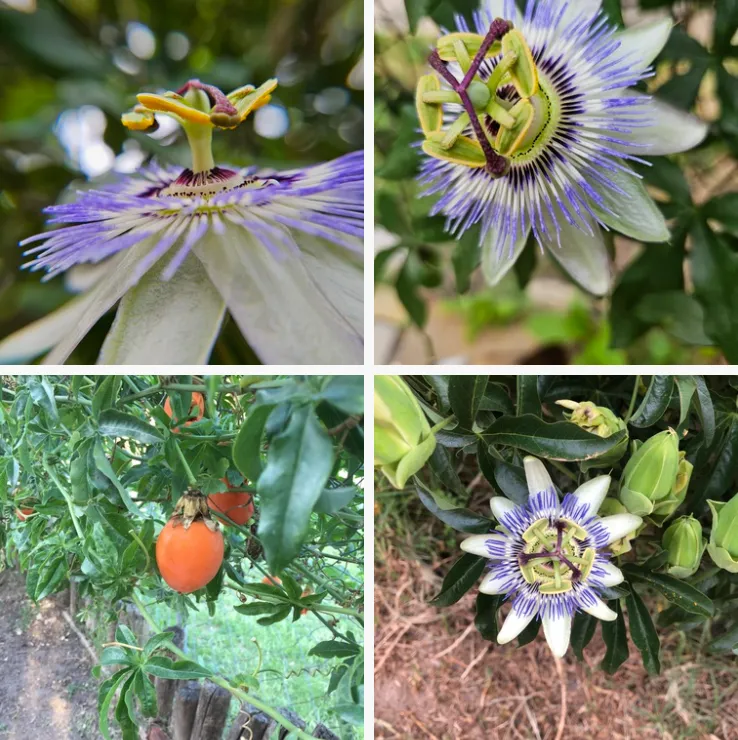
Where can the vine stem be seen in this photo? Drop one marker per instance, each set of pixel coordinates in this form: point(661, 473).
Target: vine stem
point(222, 682)
point(190, 477)
point(70, 505)
point(633, 398)
point(563, 469)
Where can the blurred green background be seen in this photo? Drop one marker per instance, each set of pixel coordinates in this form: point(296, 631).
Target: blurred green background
point(672, 303)
point(69, 68)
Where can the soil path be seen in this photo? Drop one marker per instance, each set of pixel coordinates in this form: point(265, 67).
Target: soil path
point(46, 689)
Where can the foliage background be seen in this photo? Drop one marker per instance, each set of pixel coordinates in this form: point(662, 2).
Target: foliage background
point(672, 303)
point(73, 61)
point(102, 465)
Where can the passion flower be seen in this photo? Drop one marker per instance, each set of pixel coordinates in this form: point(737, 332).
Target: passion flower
point(551, 557)
point(177, 247)
point(529, 123)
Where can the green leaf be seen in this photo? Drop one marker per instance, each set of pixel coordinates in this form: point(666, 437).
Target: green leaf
point(465, 392)
point(146, 694)
point(407, 286)
point(677, 592)
point(463, 520)
point(644, 633)
point(616, 640)
point(278, 616)
point(334, 499)
point(560, 440)
point(441, 463)
point(345, 392)
point(119, 424)
point(106, 694)
point(115, 656)
point(43, 394)
point(726, 642)
point(106, 394)
point(163, 667)
point(465, 259)
point(722, 471)
point(403, 158)
point(258, 609)
point(723, 208)
point(655, 402)
point(583, 629)
point(686, 385)
point(124, 712)
point(157, 641)
point(51, 576)
point(299, 461)
point(527, 395)
point(510, 479)
point(247, 445)
point(485, 619)
point(335, 649)
point(715, 274)
point(104, 466)
point(496, 398)
point(462, 576)
point(706, 409)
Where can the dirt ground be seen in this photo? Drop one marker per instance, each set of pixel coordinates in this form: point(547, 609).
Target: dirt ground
point(46, 690)
point(436, 678)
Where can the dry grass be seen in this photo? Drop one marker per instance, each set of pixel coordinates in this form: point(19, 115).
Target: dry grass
point(436, 678)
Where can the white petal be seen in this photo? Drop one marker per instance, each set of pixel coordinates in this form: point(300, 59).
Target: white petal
point(477, 543)
point(618, 525)
point(613, 575)
point(513, 625)
point(281, 310)
point(536, 475)
point(172, 322)
point(582, 255)
point(671, 130)
point(602, 611)
point(642, 43)
point(106, 293)
point(500, 506)
point(558, 632)
point(499, 254)
point(577, 9)
point(592, 493)
point(493, 584)
point(633, 212)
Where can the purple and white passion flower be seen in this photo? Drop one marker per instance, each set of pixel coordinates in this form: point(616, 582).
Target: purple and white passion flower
point(177, 247)
point(529, 124)
point(550, 558)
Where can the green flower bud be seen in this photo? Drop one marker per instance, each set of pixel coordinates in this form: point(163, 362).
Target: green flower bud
point(723, 545)
point(650, 474)
point(612, 506)
point(666, 507)
point(684, 545)
point(600, 421)
point(403, 441)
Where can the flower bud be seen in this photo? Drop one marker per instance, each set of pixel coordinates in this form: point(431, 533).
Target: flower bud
point(601, 421)
point(403, 441)
point(723, 545)
point(666, 507)
point(612, 506)
point(650, 473)
point(684, 545)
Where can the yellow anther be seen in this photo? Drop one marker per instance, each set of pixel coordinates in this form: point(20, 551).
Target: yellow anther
point(139, 119)
point(168, 104)
point(471, 42)
point(524, 72)
point(247, 102)
point(429, 115)
point(465, 151)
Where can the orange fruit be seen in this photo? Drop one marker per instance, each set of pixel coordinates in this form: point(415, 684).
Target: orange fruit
point(234, 504)
point(23, 513)
point(198, 402)
point(188, 559)
point(271, 580)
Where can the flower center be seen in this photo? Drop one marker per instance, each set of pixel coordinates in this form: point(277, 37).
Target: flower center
point(199, 108)
point(554, 555)
point(507, 112)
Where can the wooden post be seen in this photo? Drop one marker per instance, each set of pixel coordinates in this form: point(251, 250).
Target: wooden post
point(73, 600)
point(212, 712)
point(257, 723)
point(292, 717)
point(323, 732)
point(166, 688)
point(185, 708)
